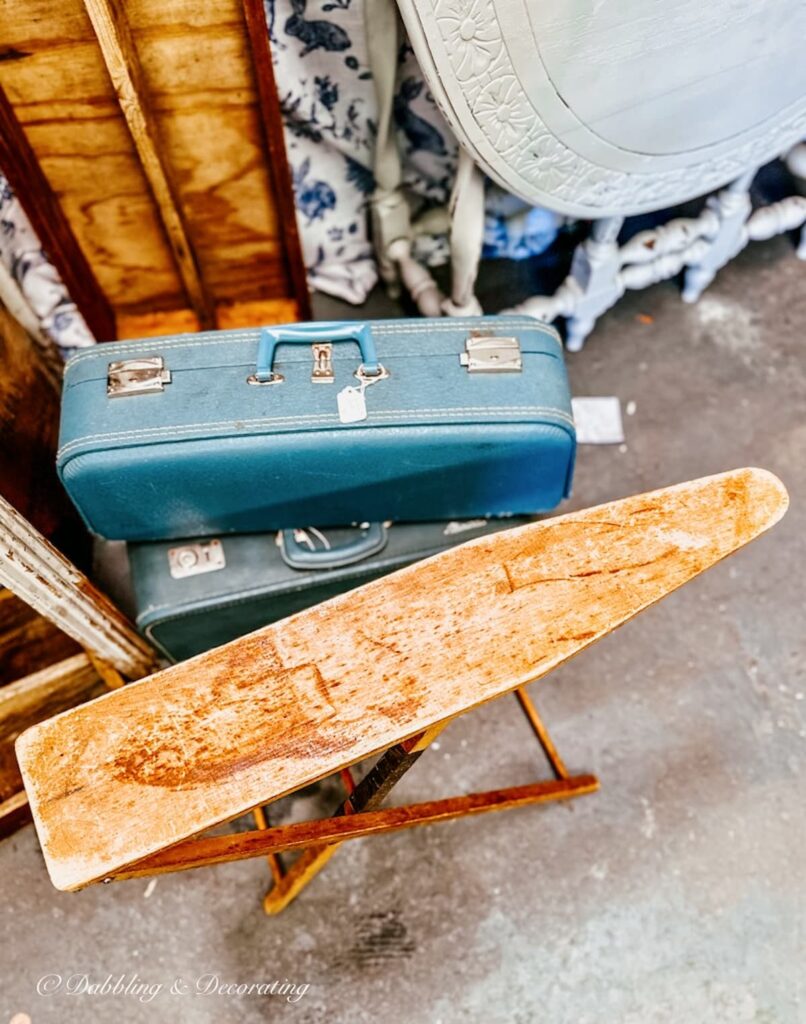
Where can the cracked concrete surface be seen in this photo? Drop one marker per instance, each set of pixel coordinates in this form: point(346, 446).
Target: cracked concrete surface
point(675, 895)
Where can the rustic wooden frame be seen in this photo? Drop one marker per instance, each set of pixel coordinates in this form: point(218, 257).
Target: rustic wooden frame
point(33, 570)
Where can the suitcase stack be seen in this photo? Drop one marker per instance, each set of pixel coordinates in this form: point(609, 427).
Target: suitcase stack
point(256, 472)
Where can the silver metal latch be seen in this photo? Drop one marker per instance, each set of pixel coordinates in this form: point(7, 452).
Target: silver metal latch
point(143, 376)
point(195, 559)
point(322, 372)
point(486, 352)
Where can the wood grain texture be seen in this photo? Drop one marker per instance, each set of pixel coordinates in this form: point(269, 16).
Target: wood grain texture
point(39, 574)
point(62, 95)
point(36, 697)
point(29, 428)
point(274, 139)
point(228, 317)
point(114, 36)
point(28, 641)
point(161, 760)
point(197, 72)
point(20, 166)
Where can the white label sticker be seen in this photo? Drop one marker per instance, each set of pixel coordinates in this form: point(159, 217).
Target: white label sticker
point(352, 405)
point(598, 420)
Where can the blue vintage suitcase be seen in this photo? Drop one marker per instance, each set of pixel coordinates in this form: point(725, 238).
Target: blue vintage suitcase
point(193, 595)
point(332, 423)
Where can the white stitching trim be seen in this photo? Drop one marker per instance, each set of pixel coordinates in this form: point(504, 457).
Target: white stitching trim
point(151, 433)
point(174, 341)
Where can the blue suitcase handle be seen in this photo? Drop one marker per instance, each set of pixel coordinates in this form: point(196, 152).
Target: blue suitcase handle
point(298, 557)
point(306, 334)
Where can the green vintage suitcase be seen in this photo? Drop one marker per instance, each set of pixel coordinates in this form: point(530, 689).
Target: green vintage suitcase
point(193, 595)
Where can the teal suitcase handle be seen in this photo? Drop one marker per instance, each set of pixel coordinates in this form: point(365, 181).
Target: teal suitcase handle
point(306, 334)
point(298, 557)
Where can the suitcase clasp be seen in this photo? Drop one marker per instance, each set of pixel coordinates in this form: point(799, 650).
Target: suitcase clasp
point(486, 352)
point(195, 559)
point(143, 376)
point(322, 372)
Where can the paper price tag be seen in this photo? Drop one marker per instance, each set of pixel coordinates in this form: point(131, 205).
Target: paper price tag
point(352, 405)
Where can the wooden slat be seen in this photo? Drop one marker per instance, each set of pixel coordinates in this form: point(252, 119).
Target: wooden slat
point(108, 18)
point(161, 760)
point(36, 572)
point(306, 835)
point(36, 697)
point(21, 167)
point(258, 29)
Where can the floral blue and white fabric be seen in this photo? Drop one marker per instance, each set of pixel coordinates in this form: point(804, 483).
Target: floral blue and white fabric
point(327, 99)
point(37, 279)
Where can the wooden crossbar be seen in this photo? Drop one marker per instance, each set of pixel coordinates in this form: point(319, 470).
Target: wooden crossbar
point(143, 768)
point(259, 842)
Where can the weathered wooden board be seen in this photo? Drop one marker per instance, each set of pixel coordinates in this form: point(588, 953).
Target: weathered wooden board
point(198, 71)
point(199, 83)
point(163, 759)
point(47, 581)
point(36, 697)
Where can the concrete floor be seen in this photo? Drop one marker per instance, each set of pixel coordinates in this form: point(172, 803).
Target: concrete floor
point(675, 895)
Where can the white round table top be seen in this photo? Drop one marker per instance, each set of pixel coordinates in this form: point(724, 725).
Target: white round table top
point(598, 107)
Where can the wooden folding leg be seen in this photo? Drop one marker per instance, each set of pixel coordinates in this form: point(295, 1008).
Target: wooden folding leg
point(379, 782)
point(370, 792)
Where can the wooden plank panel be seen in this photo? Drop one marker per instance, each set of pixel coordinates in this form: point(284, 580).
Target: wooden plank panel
point(20, 166)
point(199, 78)
point(62, 95)
point(36, 697)
point(120, 56)
point(163, 759)
point(197, 68)
point(228, 317)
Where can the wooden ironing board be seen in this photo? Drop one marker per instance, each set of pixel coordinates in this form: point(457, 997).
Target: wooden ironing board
point(118, 786)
